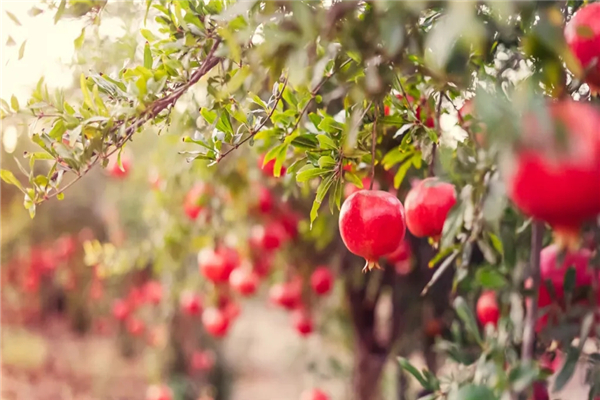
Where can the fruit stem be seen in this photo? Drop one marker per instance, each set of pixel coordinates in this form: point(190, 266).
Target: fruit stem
point(537, 236)
point(373, 144)
point(567, 238)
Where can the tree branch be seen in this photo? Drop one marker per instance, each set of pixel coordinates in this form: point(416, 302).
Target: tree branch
point(373, 145)
point(148, 114)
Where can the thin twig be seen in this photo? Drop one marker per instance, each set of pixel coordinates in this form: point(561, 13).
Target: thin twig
point(254, 131)
point(148, 114)
point(410, 106)
point(438, 113)
point(537, 236)
point(373, 145)
point(315, 91)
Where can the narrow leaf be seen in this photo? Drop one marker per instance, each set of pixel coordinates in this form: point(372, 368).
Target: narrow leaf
point(10, 178)
point(13, 17)
point(147, 56)
point(22, 49)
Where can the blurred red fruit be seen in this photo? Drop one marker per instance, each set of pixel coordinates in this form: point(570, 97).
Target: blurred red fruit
point(321, 280)
point(487, 308)
point(216, 266)
point(65, 247)
point(120, 309)
point(135, 326)
point(268, 169)
point(314, 394)
point(427, 205)
point(244, 281)
point(195, 200)
point(215, 322)
point(287, 295)
point(265, 200)
point(116, 171)
point(582, 34)
point(190, 303)
point(402, 253)
point(289, 220)
point(554, 182)
point(302, 322)
point(136, 297)
point(372, 225)
point(202, 360)
point(153, 292)
point(31, 284)
point(159, 392)
point(540, 391)
point(269, 237)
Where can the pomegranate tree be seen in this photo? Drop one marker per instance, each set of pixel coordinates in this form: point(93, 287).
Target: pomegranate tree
point(372, 225)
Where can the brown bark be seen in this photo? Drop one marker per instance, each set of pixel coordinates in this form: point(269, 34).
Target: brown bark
point(367, 373)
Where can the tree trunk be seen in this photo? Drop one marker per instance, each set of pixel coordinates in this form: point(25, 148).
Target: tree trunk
point(368, 367)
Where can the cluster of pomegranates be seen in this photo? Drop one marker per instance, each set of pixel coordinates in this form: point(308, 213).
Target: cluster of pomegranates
point(373, 223)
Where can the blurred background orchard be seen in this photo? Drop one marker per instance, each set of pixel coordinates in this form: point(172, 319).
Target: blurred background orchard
point(169, 272)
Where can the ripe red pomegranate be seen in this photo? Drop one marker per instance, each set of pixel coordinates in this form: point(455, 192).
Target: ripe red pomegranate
point(540, 391)
point(244, 281)
point(159, 392)
point(287, 295)
point(554, 274)
point(427, 205)
point(153, 292)
point(269, 237)
point(195, 200)
point(217, 265)
point(321, 280)
point(135, 326)
point(215, 322)
point(554, 181)
point(202, 360)
point(268, 169)
point(372, 225)
point(582, 34)
point(113, 166)
point(190, 303)
point(262, 265)
point(314, 394)
point(350, 188)
point(302, 322)
point(487, 308)
point(120, 309)
point(402, 253)
point(289, 220)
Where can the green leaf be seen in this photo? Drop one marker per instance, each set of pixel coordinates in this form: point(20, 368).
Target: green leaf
point(309, 172)
point(326, 162)
point(401, 173)
point(14, 103)
point(395, 156)
point(411, 369)
point(350, 176)
point(87, 98)
point(569, 282)
point(440, 271)
point(496, 243)
point(22, 49)
point(474, 392)
point(490, 278)
point(464, 313)
point(568, 368)
point(4, 105)
point(78, 42)
point(255, 99)
point(521, 377)
point(60, 196)
point(321, 192)
point(148, 35)
point(58, 130)
point(13, 17)
point(10, 178)
point(272, 154)
point(147, 56)
point(326, 143)
point(208, 115)
point(279, 160)
point(289, 97)
point(453, 223)
point(60, 11)
point(305, 141)
point(224, 124)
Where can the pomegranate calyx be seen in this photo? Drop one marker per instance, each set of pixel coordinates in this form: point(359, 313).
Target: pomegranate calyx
point(370, 265)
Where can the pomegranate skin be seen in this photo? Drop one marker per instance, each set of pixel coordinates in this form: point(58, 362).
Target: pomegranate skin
point(487, 309)
point(582, 34)
point(555, 274)
point(402, 253)
point(427, 205)
point(559, 185)
point(372, 224)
